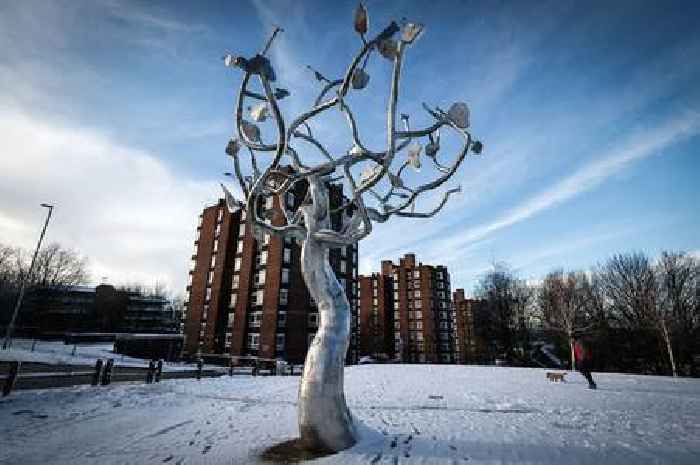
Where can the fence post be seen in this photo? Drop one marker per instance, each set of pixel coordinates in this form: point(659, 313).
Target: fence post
point(11, 378)
point(159, 370)
point(107, 374)
point(98, 372)
point(200, 363)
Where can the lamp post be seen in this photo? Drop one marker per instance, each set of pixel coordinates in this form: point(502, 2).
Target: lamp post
point(8, 334)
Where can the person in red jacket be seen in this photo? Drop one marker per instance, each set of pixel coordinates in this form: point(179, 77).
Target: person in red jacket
point(583, 355)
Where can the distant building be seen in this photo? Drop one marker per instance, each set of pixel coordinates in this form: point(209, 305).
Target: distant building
point(468, 346)
point(376, 313)
point(412, 308)
point(247, 296)
point(55, 311)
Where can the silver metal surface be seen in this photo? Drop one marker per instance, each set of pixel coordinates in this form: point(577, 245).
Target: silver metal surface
point(324, 419)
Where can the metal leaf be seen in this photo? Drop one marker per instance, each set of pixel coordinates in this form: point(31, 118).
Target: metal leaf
point(361, 19)
point(369, 172)
point(410, 32)
point(388, 48)
point(233, 147)
point(477, 147)
point(414, 155)
point(232, 203)
point(395, 180)
point(356, 150)
point(259, 112)
point(251, 131)
point(459, 114)
point(360, 79)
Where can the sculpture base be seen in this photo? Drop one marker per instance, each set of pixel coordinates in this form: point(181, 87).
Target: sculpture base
point(292, 451)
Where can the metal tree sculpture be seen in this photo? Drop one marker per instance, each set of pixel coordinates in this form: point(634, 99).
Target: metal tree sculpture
point(324, 419)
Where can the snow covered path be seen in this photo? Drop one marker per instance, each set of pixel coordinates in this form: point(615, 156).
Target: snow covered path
point(414, 415)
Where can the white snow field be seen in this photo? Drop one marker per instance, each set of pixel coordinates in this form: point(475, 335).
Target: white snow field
point(411, 414)
point(57, 353)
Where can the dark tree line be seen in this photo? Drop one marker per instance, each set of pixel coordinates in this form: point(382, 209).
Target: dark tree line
point(640, 315)
point(55, 266)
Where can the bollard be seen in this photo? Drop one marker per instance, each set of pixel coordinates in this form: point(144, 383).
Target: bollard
point(74, 348)
point(159, 370)
point(11, 378)
point(255, 368)
point(150, 372)
point(97, 375)
point(33, 344)
point(200, 363)
point(107, 373)
point(230, 367)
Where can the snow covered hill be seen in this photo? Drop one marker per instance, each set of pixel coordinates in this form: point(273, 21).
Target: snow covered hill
point(418, 414)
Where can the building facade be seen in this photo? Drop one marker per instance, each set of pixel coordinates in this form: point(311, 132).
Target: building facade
point(410, 301)
point(55, 311)
point(246, 295)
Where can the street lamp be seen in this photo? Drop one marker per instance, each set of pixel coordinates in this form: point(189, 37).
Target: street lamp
point(8, 333)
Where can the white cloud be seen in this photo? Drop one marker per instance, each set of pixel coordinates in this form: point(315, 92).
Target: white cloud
point(122, 207)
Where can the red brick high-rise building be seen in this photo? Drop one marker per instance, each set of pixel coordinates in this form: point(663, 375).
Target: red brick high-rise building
point(469, 347)
point(247, 296)
point(412, 305)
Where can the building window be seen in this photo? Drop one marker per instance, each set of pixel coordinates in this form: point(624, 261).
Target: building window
point(257, 297)
point(374, 292)
point(313, 320)
point(213, 261)
point(243, 215)
point(253, 341)
point(237, 264)
point(289, 196)
point(260, 277)
point(285, 276)
point(208, 296)
point(284, 294)
point(210, 278)
point(287, 255)
point(220, 217)
point(416, 273)
point(235, 281)
point(241, 230)
point(231, 317)
point(343, 266)
point(417, 304)
point(227, 343)
point(416, 294)
point(269, 202)
point(217, 231)
point(239, 247)
point(234, 299)
point(255, 319)
point(279, 341)
point(281, 319)
point(216, 244)
point(262, 258)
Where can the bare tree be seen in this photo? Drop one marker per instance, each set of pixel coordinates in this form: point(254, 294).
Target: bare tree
point(57, 266)
point(676, 302)
point(378, 189)
point(630, 287)
point(502, 315)
point(564, 303)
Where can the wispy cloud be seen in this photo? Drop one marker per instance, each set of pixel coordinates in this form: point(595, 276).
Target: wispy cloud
point(641, 145)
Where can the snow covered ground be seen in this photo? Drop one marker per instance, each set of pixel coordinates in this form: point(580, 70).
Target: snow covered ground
point(418, 414)
point(58, 353)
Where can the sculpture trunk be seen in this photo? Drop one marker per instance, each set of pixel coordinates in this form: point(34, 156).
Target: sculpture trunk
point(325, 422)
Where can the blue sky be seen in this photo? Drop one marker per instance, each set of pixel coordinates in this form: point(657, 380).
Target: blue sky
point(119, 111)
